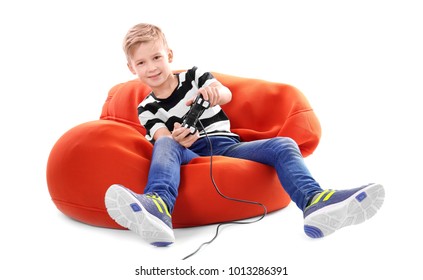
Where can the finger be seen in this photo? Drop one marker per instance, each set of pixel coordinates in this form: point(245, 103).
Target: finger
point(177, 134)
point(190, 139)
point(182, 133)
point(204, 92)
point(215, 96)
point(189, 102)
point(212, 98)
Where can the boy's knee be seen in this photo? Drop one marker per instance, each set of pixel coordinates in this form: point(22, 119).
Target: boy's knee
point(287, 143)
point(168, 141)
point(166, 144)
point(168, 148)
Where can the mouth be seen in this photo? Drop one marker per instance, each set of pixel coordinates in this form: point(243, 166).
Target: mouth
point(154, 76)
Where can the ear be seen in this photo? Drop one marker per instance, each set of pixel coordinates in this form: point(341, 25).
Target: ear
point(170, 55)
point(131, 68)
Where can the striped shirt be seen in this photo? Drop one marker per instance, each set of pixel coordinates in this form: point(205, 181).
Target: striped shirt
point(155, 113)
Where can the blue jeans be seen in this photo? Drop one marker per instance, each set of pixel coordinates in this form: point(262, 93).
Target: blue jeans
point(281, 152)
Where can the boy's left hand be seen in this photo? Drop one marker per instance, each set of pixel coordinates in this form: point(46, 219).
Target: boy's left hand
point(182, 135)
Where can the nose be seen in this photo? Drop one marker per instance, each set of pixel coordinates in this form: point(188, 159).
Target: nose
point(151, 67)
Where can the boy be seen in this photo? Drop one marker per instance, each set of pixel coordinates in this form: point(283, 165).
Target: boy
point(161, 113)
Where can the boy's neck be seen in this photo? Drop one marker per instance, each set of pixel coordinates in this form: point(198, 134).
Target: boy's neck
point(167, 88)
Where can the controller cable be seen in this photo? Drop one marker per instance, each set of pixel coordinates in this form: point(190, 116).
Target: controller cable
point(226, 197)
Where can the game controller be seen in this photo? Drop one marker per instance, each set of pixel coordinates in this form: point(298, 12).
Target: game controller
point(197, 109)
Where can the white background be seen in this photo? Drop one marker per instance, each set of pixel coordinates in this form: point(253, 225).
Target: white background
point(358, 62)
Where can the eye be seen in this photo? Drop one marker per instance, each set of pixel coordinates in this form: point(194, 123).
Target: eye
point(157, 57)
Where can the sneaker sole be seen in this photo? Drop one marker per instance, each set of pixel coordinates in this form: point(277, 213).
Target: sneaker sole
point(118, 201)
point(354, 210)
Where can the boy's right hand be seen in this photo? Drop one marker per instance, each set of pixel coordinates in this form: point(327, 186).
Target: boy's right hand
point(182, 135)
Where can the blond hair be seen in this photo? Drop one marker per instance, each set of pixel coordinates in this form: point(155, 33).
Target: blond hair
point(142, 33)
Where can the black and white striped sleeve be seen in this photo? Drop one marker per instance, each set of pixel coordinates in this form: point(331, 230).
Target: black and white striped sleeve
point(149, 116)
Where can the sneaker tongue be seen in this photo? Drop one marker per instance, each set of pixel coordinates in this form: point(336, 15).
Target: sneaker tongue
point(313, 198)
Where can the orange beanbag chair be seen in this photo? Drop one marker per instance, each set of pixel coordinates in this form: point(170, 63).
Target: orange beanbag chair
point(90, 157)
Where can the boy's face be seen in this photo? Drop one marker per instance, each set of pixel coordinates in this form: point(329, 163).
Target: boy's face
point(150, 61)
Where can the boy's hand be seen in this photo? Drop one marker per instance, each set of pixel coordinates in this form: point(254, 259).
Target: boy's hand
point(215, 94)
point(182, 135)
point(209, 93)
